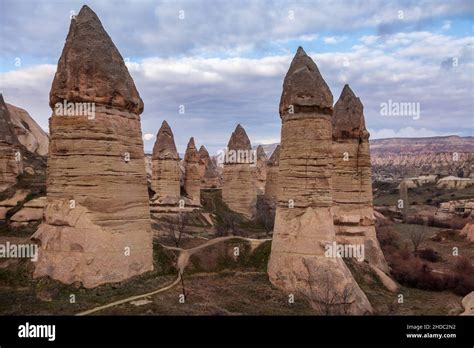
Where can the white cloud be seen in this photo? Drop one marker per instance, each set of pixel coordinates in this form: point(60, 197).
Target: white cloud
point(369, 39)
point(148, 136)
point(407, 132)
point(152, 28)
point(446, 25)
point(332, 40)
point(218, 93)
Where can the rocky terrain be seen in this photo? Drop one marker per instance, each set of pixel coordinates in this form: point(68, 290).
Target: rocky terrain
point(393, 159)
point(164, 234)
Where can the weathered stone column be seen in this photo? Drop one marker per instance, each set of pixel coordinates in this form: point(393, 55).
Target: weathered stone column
point(165, 167)
point(239, 191)
point(352, 183)
point(97, 221)
point(299, 262)
point(192, 180)
point(208, 172)
point(261, 170)
point(272, 184)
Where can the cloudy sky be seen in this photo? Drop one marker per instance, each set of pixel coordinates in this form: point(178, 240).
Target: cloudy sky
point(225, 61)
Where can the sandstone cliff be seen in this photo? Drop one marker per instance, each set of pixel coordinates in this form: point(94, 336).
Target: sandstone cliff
point(11, 164)
point(28, 132)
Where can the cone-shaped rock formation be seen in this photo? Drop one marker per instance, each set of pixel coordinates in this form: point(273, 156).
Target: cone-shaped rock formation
point(304, 231)
point(239, 191)
point(165, 166)
point(91, 69)
point(208, 171)
point(97, 221)
point(352, 185)
point(192, 180)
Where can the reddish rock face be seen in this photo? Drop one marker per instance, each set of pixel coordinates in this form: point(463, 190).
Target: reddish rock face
point(91, 68)
point(208, 171)
point(165, 147)
point(348, 120)
point(304, 228)
point(239, 140)
point(352, 183)
point(304, 89)
point(97, 221)
point(165, 166)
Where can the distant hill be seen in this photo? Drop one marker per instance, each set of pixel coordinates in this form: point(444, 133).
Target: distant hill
point(395, 158)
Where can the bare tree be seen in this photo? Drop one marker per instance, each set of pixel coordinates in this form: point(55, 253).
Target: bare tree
point(183, 289)
point(176, 227)
point(231, 221)
point(417, 235)
point(329, 299)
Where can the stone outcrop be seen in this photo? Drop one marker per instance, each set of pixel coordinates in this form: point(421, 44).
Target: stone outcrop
point(299, 260)
point(261, 170)
point(239, 191)
point(452, 182)
point(468, 231)
point(165, 168)
point(468, 304)
point(96, 226)
point(192, 180)
point(208, 171)
point(11, 163)
point(351, 180)
point(104, 80)
point(28, 132)
point(31, 213)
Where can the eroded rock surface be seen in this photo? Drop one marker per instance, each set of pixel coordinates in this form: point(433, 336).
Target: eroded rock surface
point(239, 191)
point(304, 223)
point(352, 185)
point(165, 168)
point(208, 171)
point(192, 180)
point(11, 164)
point(261, 170)
point(97, 221)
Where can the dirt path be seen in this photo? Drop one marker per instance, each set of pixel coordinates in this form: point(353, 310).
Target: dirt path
point(183, 260)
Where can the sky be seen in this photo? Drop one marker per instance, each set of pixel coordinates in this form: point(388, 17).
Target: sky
point(225, 61)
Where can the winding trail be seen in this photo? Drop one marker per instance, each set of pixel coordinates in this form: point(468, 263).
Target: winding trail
point(183, 260)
